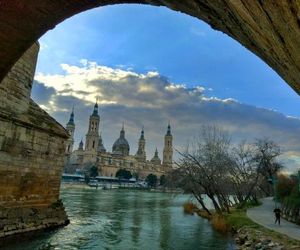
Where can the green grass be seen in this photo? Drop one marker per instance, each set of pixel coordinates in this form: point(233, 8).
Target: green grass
point(238, 219)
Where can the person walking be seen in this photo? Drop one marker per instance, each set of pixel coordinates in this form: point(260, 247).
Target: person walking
point(277, 213)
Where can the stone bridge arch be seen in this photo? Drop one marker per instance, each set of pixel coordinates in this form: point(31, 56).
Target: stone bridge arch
point(270, 29)
point(32, 144)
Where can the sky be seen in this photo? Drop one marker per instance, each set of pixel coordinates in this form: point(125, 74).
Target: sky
point(148, 65)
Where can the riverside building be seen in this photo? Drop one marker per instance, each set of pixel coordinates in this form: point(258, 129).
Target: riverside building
point(93, 152)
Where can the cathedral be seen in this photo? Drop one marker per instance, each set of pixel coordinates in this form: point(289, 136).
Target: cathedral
point(93, 153)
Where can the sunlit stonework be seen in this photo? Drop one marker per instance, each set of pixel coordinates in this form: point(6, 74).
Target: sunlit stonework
point(93, 153)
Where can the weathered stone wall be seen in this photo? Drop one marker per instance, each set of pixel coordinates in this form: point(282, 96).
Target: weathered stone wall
point(269, 28)
point(32, 146)
point(15, 88)
point(31, 161)
point(27, 219)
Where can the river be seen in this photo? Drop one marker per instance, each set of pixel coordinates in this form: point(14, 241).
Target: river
point(126, 219)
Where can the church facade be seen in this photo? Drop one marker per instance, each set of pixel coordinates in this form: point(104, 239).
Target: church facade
point(93, 152)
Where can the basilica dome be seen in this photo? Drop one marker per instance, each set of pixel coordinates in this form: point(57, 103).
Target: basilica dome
point(121, 145)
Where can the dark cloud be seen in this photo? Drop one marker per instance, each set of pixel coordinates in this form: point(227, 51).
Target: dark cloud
point(41, 94)
point(150, 100)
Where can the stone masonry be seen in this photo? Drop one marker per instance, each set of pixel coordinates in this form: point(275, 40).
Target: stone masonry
point(32, 146)
point(269, 28)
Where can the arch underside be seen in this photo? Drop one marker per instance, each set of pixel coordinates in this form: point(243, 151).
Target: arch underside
point(270, 29)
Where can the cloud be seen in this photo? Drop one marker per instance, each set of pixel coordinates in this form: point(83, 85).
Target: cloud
point(151, 100)
point(197, 31)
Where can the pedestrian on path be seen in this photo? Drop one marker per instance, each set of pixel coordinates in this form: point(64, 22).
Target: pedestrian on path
point(277, 213)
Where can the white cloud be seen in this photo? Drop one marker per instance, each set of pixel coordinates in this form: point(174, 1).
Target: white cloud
point(43, 46)
point(197, 31)
point(151, 100)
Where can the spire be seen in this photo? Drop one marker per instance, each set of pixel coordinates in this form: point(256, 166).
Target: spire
point(71, 120)
point(142, 134)
point(100, 138)
point(156, 153)
point(156, 160)
point(80, 145)
point(169, 129)
point(95, 112)
point(122, 132)
point(101, 147)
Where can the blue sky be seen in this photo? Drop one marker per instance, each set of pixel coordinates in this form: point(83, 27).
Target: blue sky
point(150, 65)
point(180, 47)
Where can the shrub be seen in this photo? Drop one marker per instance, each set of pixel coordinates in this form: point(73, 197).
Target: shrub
point(189, 208)
point(219, 224)
point(285, 186)
point(204, 214)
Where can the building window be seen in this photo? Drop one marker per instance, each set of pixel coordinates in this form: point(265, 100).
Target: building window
point(93, 144)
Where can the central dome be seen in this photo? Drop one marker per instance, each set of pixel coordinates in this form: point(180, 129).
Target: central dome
point(121, 145)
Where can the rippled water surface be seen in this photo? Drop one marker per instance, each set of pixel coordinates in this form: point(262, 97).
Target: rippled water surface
point(122, 219)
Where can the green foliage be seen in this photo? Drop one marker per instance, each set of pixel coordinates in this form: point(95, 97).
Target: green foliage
point(86, 178)
point(93, 171)
point(288, 191)
point(248, 204)
point(162, 180)
point(285, 186)
point(238, 219)
point(135, 175)
point(293, 200)
point(151, 180)
point(123, 174)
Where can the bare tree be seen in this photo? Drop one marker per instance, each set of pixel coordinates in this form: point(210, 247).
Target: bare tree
point(244, 174)
point(206, 164)
point(266, 156)
point(211, 166)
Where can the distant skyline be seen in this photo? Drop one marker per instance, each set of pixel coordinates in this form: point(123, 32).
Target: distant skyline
point(149, 65)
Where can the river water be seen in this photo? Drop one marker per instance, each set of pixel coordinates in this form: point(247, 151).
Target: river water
point(125, 219)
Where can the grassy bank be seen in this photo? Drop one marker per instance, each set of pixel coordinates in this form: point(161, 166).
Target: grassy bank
point(238, 220)
point(238, 223)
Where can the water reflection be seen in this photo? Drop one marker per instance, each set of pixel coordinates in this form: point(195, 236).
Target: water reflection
point(165, 224)
point(136, 220)
point(121, 219)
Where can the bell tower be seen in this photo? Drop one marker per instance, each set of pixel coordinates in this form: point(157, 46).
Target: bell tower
point(92, 136)
point(168, 148)
point(141, 153)
point(71, 129)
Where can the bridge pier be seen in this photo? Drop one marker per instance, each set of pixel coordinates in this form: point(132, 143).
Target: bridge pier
point(32, 146)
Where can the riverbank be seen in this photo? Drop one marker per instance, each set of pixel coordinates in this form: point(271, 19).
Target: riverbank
point(264, 216)
point(248, 234)
point(82, 185)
